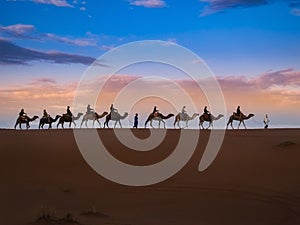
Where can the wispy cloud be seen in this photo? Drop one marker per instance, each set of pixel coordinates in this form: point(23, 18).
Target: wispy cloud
point(14, 54)
point(22, 31)
point(148, 3)
point(58, 3)
point(284, 78)
point(27, 31)
point(78, 41)
point(215, 6)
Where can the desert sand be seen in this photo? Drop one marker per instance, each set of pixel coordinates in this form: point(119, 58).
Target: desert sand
point(255, 179)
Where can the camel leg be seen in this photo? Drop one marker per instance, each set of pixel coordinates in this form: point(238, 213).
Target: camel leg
point(244, 124)
point(201, 123)
point(120, 123)
point(151, 124)
point(98, 123)
point(239, 124)
point(115, 123)
point(208, 126)
point(146, 123)
point(164, 124)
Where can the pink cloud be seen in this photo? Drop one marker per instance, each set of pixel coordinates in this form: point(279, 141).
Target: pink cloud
point(286, 77)
point(149, 3)
point(79, 41)
point(18, 28)
point(58, 3)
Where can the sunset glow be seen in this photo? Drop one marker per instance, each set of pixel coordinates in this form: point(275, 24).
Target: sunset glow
point(253, 50)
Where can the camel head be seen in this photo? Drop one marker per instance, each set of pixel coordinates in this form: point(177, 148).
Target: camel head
point(57, 116)
point(170, 115)
point(195, 115)
point(34, 118)
point(250, 115)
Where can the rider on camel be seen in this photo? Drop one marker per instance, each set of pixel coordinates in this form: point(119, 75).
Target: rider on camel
point(113, 111)
point(69, 113)
point(155, 111)
point(46, 115)
point(183, 111)
point(22, 114)
point(206, 112)
point(89, 110)
point(238, 112)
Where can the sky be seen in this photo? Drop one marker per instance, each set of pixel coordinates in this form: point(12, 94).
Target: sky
point(251, 46)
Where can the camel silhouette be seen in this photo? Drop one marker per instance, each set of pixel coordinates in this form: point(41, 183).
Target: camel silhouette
point(92, 116)
point(159, 117)
point(25, 120)
point(238, 118)
point(45, 120)
point(66, 118)
point(116, 117)
point(184, 117)
point(208, 118)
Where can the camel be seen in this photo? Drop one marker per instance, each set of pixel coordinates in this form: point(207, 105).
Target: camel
point(26, 120)
point(159, 117)
point(67, 118)
point(45, 120)
point(239, 118)
point(116, 117)
point(92, 116)
point(184, 117)
point(209, 118)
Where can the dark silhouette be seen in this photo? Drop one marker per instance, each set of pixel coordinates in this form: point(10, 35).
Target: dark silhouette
point(117, 117)
point(46, 116)
point(69, 111)
point(68, 119)
point(24, 119)
point(155, 111)
point(48, 120)
point(92, 116)
point(157, 116)
point(209, 118)
point(22, 113)
point(206, 111)
point(89, 110)
point(240, 118)
point(238, 111)
point(266, 121)
point(136, 121)
point(183, 116)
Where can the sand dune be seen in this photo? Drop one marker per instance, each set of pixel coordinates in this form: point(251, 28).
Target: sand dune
point(253, 180)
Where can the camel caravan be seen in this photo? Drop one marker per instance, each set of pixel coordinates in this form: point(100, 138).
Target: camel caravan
point(116, 117)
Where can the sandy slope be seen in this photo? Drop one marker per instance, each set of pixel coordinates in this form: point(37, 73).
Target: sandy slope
point(253, 181)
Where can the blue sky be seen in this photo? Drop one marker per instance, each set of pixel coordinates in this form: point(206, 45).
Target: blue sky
point(241, 38)
point(230, 37)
